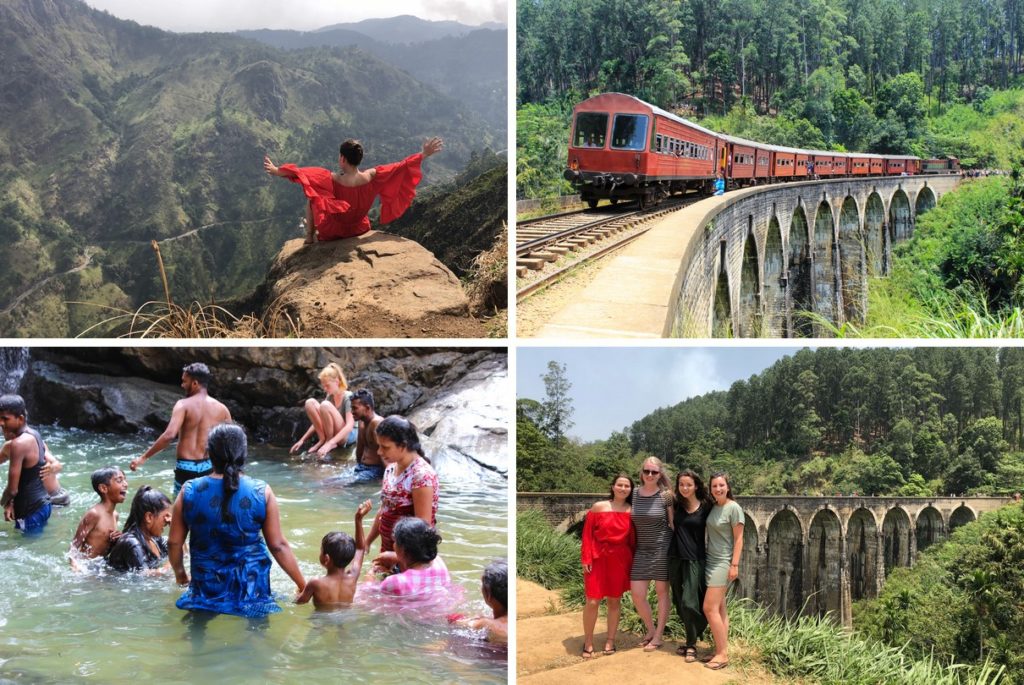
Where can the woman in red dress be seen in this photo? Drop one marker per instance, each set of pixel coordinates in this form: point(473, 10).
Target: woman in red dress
point(339, 201)
point(607, 556)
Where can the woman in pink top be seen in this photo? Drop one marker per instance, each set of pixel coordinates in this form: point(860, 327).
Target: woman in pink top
point(339, 201)
point(421, 570)
point(409, 486)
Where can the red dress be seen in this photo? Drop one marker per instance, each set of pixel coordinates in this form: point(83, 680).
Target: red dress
point(608, 543)
point(340, 211)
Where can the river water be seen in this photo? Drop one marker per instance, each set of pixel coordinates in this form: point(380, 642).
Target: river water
point(58, 626)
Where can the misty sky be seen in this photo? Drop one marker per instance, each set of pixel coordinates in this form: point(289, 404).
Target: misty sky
point(301, 15)
point(614, 386)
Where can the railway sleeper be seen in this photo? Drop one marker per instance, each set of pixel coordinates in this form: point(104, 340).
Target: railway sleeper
point(530, 263)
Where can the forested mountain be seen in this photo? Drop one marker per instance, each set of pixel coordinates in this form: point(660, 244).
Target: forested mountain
point(470, 65)
point(875, 421)
point(409, 29)
point(113, 135)
point(838, 74)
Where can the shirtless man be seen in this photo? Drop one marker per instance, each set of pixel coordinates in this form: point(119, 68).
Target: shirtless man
point(191, 421)
point(369, 466)
point(25, 500)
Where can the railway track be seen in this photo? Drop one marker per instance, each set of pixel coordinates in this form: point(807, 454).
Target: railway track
point(587, 234)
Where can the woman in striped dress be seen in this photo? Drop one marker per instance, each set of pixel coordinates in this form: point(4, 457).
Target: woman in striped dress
point(652, 520)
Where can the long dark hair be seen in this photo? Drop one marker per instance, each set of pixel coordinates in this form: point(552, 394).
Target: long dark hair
point(699, 490)
point(147, 500)
point(227, 446)
point(418, 540)
point(401, 432)
point(632, 487)
point(728, 486)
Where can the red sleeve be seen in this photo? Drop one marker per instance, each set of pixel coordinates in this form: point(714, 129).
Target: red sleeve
point(318, 185)
point(396, 184)
point(587, 548)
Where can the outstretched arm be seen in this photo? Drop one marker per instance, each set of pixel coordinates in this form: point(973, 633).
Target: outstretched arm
point(278, 545)
point(166, 438)
point(271, 168)
point(357, 561)
point(432, 146)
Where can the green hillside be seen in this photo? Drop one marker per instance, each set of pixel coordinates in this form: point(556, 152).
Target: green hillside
point(113, 135)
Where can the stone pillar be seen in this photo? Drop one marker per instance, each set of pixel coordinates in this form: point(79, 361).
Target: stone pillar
point(879, 561)
point(845, 601)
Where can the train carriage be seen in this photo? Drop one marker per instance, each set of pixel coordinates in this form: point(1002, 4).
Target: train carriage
point(624, 148)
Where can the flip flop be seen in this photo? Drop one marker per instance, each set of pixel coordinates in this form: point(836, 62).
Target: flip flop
point(609, 652)
point(646, 641)
point(587, 653)
point(716, 665)
point(652, 647)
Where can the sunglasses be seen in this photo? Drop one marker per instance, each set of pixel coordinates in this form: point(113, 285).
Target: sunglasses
point(651, 472)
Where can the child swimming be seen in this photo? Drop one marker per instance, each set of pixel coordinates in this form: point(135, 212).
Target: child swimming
point(98, 528)
point(343, 558)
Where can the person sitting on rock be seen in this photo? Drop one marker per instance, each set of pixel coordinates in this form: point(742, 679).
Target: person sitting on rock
point(339, 201)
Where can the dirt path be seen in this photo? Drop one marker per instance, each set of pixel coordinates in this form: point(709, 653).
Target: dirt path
point(89, 253)
point(549, 639)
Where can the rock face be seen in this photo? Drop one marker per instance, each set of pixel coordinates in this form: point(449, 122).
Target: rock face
point(373, 285)
point(455, 397)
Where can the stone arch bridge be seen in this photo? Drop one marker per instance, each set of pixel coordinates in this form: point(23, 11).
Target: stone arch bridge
point(814, 555)
point(755, 265)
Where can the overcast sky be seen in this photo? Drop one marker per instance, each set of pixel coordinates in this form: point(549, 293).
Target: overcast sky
point(301, 15)
point(614, 386)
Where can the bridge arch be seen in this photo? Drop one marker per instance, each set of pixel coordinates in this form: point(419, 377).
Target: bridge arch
point(960, 516)
point(721, 323)
point(799, 281)
point(823, 264)
point(896, 535)
point(852, 267)
point(862, 551)
point(774, 291)
point(824, 564)
point(901, 223)
point(874, 236)
point(748, 324)
point(785, 549)
point(929, 528)
point(925, 201)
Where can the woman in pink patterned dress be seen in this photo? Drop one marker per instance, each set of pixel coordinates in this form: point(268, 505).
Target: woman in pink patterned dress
point(409, 487)
point(421, 569)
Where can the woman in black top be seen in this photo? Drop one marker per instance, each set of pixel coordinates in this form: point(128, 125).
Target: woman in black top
point(141, 546)
point(687, 556)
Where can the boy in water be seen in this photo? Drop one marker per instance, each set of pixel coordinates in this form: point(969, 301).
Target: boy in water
point(98, 528)
point(494, 588)
point(343, 558)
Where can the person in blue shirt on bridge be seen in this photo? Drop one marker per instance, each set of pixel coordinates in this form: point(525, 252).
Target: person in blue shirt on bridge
point(720, 184)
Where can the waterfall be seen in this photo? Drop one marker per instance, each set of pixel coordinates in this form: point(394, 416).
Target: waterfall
point(13, 365)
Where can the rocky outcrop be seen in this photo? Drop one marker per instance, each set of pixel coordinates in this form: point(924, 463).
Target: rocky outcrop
point(376, 285)
point(454, 396)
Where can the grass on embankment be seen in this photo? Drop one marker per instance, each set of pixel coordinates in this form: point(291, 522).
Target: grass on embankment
point(807, 648)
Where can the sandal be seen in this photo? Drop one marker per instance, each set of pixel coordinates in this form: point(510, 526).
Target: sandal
point(690, 655)
point(587, 653)
point(607, 651)
point(716, 665)
point(652, 646)
point(646, 641)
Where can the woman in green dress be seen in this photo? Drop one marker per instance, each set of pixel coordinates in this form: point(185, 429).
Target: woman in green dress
point(724, 547)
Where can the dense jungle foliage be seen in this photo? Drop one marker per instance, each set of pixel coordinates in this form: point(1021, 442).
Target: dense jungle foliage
point(960, 274)
point(963, 600)
point(901, 76)
point(911, 422)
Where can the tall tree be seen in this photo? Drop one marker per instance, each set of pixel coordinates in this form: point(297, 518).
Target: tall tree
point(557, 402)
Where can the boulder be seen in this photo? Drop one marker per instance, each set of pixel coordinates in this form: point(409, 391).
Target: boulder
point(376, 285)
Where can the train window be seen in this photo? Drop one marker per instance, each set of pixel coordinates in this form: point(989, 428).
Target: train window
point(591, 128)
point(629, 131)
point(657, 143)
